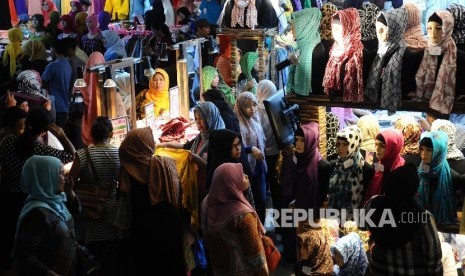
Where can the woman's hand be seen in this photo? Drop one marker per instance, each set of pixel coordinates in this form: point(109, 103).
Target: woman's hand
point(48, 105)
point(257, 154)
point(10, 99)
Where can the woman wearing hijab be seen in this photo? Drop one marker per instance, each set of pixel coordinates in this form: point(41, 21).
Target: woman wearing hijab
point(344, 71)
point(223, 59)
point(392, 242)
point(13, 50)
point(52, 28)
point(80, 22)
point(327, 12)
point(411, 130)
point(437, 82)
point(388, 144)
point(152, 184)
point(47, 8)
point(368, 14)
point(458, 12)
point(211, 79)
point(370, 128)
point(44, 242)
point(114, 45)
point(349, 256)
point(67, 22)
point(184, 16)
point(351, 175)
point(454, 156)
point(93, 40)
point(89, 95)
point(388, 61)
point(231, 225)
point(34, 56)
point(157, 94)
point(248, 79)
point(254, 139)
point(104, 19)
point(40, 33)
point(332, 127)
point(76, 7)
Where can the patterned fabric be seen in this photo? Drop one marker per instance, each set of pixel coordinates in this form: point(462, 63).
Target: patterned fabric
point(442, 204)
point(247, 63)
point(385, 78)
point(238, 13)
point(332, 127)
point(251, 129)
point(458, 12)
point(211, 116)
point(411, 130)
point(351, 249)
point(327, 12)
point(350, 55)
point(345, 184)
point(29, 82)
point(368, 15)
point(313, 250)
point(414, 37)
point(13, 49)
point(452, 151)
point(441, 89)
point(370, 128)
point(306, 23)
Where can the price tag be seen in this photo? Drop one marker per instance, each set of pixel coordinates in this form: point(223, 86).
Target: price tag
point(434, 50)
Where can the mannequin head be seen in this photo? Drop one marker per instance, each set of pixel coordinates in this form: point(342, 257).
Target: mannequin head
point(336, 28)
point(381, 28)
point(426, 150)
point(434, 28)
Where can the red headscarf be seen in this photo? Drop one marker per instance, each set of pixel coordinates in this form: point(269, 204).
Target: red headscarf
point(93, 18)
point(46, 13)
point(225, 48)
point(69, 22)
point(89, 94)
point(391, 160)
point(351, 56)
point(226, 200)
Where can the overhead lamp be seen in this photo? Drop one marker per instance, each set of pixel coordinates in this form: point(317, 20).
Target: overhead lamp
point(80, 82)
point(148, 70)
point(182, 53)
point(212, 48)
point(164, 52)
point(109, 83)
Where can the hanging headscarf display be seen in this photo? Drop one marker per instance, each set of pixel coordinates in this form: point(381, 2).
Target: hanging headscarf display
point(442, 204)
point(445, 125)
point(385, 78)
point(368, 15)
point(413, 36)
point(441, 89)
point(13, 49)
point(306, 23)
point(345, 184)
point(411, 130)
point(239, 15)
point(327, 12)
point(349, 54)
point(458, 12)
point(332, 127)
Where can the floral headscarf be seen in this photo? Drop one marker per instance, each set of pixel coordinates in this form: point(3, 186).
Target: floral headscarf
point(413, 34)
point(458, 12)
point(327, 12)
point(452, 151)
point(208, 74)
point(238, 13)
point(368, 15)
point(247, 63)
point(351, 249)
point(411, 130)
point(13, 49)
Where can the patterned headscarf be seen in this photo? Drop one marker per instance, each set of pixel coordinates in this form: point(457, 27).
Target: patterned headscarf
point(327, 12)
point(441, 89)
point(35, 50)
point(332, 127)
point(13, 49)
point(351, 249)
point(40, 179)
point(208, 74)
point(411, 130)
point(46, 13)
point(385, 79)
point(442, 205)
point(414, 37)
point(30, 82)
point(306, 23)
point(445, 125)
point(238, 12)
point(458, 12)
point(370, 128)
point(368, 15)
point(211, 116)
point(80, 23)
point(251, 129)
point(247, 63)
point(104, 19)
point(351, 57)
point(345, 185)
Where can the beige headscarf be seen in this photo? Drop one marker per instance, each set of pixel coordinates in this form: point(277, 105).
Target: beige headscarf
point(370, 128)
point(413, 35)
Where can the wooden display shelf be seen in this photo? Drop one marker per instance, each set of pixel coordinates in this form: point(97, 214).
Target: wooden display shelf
point(406, 105)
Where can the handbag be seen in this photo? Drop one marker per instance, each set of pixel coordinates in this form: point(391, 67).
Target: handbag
point(120, 216)
point(86, 264)
point(93, 195)
point(273, 256)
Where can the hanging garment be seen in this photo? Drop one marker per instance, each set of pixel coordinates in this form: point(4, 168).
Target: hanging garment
point(21, 10)
point(118, 8)
point(414, 37)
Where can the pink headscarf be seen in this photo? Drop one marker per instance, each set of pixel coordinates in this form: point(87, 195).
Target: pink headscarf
point(226, 200)
point(46, 13)
point(94, 19)
point(413, 34)
point(89, 94)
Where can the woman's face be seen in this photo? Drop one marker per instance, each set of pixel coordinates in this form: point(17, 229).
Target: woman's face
point(200, 122)
point(342, 148)
point(236, 149)
point(215, 80)
point(45, 6)
point(61, 180)
point(250, 109)
point(434, 30)
point(158, 81)
point(426, 154)
point(299, 144)
point(74, 7)
point(380, 149)
point(35, 22)
point(24, 106)
point(337, 32)
point(64, 24)
point(89, 24)
point(245, 182)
